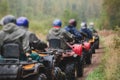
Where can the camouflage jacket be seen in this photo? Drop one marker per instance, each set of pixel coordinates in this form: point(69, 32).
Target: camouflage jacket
point(11, 32)
point(59, 33)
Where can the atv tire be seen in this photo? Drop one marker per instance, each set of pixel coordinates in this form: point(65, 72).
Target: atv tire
point(88, 58)
point(80, 67)
point(93, 48)
point(59, 75)
point(42, 77)
point(97, 44)
point(37, 77)
point(70, 71)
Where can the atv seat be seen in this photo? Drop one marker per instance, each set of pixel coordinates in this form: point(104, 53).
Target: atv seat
point(11, 50)
point(55, 43)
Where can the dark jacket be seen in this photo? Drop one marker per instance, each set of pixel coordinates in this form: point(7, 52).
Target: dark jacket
point(74, 31)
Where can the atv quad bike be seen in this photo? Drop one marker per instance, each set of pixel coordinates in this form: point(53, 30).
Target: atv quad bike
point(96, 40)
point(92, 44)
point(71, 60)
point(48, 59)
point(52, 71)
point(87, 53)
point(12, 68)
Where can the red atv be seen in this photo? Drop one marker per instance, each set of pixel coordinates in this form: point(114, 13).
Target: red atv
point(70, 61)
point(87, 53)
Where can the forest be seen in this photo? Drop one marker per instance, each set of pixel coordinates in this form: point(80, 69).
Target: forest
point(104, 13)
point(83, 10)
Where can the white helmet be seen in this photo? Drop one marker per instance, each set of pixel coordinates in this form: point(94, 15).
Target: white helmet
point(91, 24)
point(83, 24)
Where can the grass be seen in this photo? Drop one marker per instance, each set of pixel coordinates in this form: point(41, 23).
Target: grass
point(0, 27)
point(109, 68)
point(41, 27)
point(97, 74)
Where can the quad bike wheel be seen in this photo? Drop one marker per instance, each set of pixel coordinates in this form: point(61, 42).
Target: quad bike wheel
point(88, 58)
point(80, 67)
point(97, 44)
point(41, 77)
point(59, 75)
point(37, 77)
point(70, 71)
point(93, 48)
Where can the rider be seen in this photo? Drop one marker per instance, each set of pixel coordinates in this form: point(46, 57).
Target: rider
point(58, 33)
point(89, 34)
point(91, 27)
point(11, 33)
point(95, 34)
point(34, 42)
point(72, 29)
point(84, 29)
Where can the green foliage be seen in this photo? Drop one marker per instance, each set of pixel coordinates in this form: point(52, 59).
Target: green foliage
point(0, 27)
point(117, 38)
point(3, 7)
point(103, 21)
point(112, 8)
point(38, 9)
point(97, 74)
point(68, 14)
point(109, 68)
point(117, 49)
point(41, 26)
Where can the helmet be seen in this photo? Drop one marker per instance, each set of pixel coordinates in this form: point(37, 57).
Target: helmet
point(22, 21)
point(91, 24)
point(72, 22)
point(57, 22)
point(83, 24)
point(8, 19)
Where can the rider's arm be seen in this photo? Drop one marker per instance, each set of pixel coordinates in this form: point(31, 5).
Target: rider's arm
point(25, 44)
point(70, 37)
point(77, 33)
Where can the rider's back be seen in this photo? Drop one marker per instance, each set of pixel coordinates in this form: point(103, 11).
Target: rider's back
point(12, 39)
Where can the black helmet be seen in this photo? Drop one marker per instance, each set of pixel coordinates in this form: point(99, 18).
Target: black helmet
point(72, 22)
point(9, 19)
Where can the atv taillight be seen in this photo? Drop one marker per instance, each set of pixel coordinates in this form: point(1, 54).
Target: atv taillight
point(86, 45)
point(77, 48)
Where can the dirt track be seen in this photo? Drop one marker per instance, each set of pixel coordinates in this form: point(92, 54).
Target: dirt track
point(96, 59)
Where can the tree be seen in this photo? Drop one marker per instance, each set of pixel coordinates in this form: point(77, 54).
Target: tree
point(68, 14)
point(112, 8)
point(3, 8)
